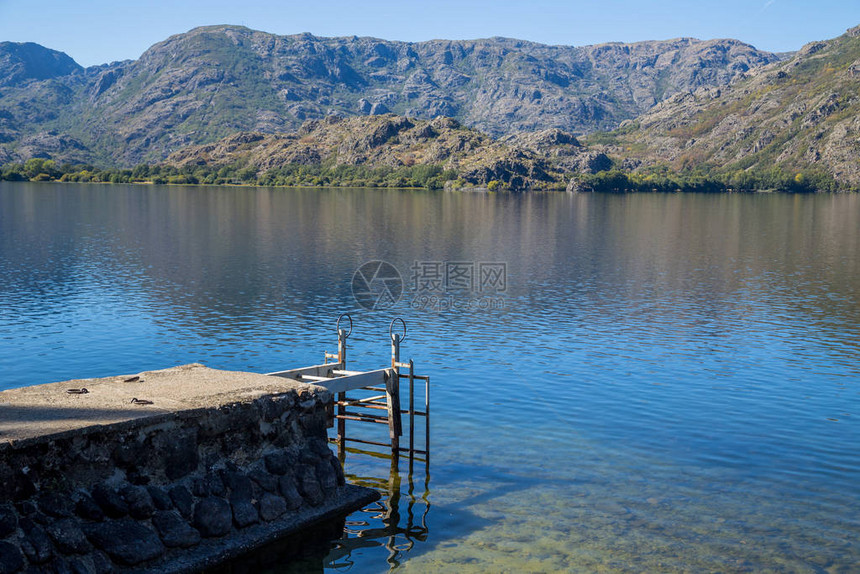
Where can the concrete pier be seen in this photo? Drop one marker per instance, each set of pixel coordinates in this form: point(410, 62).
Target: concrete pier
point(168, 471)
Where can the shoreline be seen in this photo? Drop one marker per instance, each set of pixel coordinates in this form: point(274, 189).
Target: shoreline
point(469, 189)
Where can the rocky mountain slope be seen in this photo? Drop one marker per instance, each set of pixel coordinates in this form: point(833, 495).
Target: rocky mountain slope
point(211, 82)
point(22, 62)
point(799, 115)
point(542, 159)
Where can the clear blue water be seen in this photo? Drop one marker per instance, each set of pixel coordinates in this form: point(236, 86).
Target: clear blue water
point(668, 382)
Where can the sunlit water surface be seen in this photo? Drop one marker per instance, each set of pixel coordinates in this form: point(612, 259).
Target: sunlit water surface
point(666, 382)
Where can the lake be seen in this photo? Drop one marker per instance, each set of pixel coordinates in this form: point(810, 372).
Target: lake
point(619, 383)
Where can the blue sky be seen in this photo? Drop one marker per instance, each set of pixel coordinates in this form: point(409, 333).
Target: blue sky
point(100, 31)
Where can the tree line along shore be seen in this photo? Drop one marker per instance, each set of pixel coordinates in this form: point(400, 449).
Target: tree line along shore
point(421, 176)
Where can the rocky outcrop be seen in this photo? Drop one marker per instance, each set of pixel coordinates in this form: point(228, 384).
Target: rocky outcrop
point(561, 149)
point(375, 141)
point(211, 82)
point(520, 161)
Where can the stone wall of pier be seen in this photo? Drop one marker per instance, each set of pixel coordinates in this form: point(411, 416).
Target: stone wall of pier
point(171, 493)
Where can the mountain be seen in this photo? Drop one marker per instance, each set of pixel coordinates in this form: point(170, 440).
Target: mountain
point(799, 115)
point(211, 82)
point(22, 62)
point(537, 160)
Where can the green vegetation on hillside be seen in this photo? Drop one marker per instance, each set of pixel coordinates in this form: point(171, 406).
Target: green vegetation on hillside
point(702, 181)
point(419, 176)
point(426, 176)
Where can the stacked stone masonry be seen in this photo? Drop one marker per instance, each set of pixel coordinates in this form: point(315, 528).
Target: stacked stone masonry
point(173, 492)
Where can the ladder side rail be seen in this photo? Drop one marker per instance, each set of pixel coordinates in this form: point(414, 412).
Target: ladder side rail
point(392, 385)
point(341, 396)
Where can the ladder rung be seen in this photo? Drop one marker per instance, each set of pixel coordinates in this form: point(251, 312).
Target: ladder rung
point(366, 416)
point(350, 439)
point(401, 365)
point(373, 403)
point(385, 406)
point(331, 356)
point(377, 389)
point(364, 419)
point(379, 406)
point(349, 401)
point(363, 406)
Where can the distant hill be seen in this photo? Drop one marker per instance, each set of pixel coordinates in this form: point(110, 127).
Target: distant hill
point(802, 114)
point(539, 160)
point(211, 82)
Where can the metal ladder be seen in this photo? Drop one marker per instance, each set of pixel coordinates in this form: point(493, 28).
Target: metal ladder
point(384, 384)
